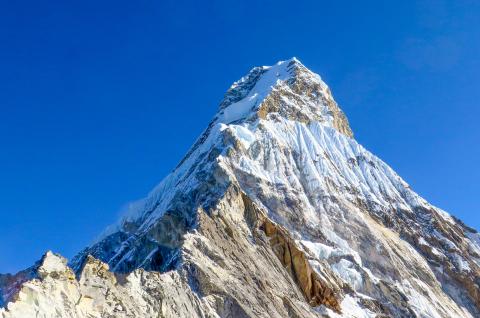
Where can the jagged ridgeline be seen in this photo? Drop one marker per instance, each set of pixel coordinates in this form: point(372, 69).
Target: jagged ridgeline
point(276, 211)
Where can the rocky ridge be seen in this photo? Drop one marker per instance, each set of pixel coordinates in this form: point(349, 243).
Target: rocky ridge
point(276, 211)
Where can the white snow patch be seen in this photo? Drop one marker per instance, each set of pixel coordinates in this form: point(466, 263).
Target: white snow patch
point(274, 75)
point(245, 135)
point(350, 309)
point(347, 271)
point(461, 263)
point(321, 251)
point(53, 263)
point(445, 215)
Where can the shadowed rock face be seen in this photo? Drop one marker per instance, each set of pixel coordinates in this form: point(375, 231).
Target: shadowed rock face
point(276, 211)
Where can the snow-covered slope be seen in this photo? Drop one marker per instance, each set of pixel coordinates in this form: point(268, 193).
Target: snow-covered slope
point(276, 211)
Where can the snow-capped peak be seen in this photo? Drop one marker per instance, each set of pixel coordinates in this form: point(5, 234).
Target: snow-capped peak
point(275, 211)
point(287, 89)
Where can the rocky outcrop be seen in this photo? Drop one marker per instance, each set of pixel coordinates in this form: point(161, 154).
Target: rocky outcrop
point(230, 262)
point(299, 98)
point(100, 293)
point(317, 290)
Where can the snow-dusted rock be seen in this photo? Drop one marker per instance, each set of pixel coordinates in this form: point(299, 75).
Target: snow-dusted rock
point(276, 211)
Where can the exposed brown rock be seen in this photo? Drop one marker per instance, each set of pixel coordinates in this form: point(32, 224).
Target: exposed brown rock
point(301, 88)
point(317, 290)
point(242, 277)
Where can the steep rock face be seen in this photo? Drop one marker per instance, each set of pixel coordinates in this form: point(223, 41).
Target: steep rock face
point(276, 211)
point(317, 291)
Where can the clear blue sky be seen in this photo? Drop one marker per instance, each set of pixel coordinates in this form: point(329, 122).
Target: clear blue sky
point(100, 99)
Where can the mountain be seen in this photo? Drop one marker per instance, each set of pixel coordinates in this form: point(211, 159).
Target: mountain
point(276, 211)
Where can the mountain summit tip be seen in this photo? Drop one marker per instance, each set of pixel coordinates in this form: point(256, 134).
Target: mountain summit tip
point(260, 93)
